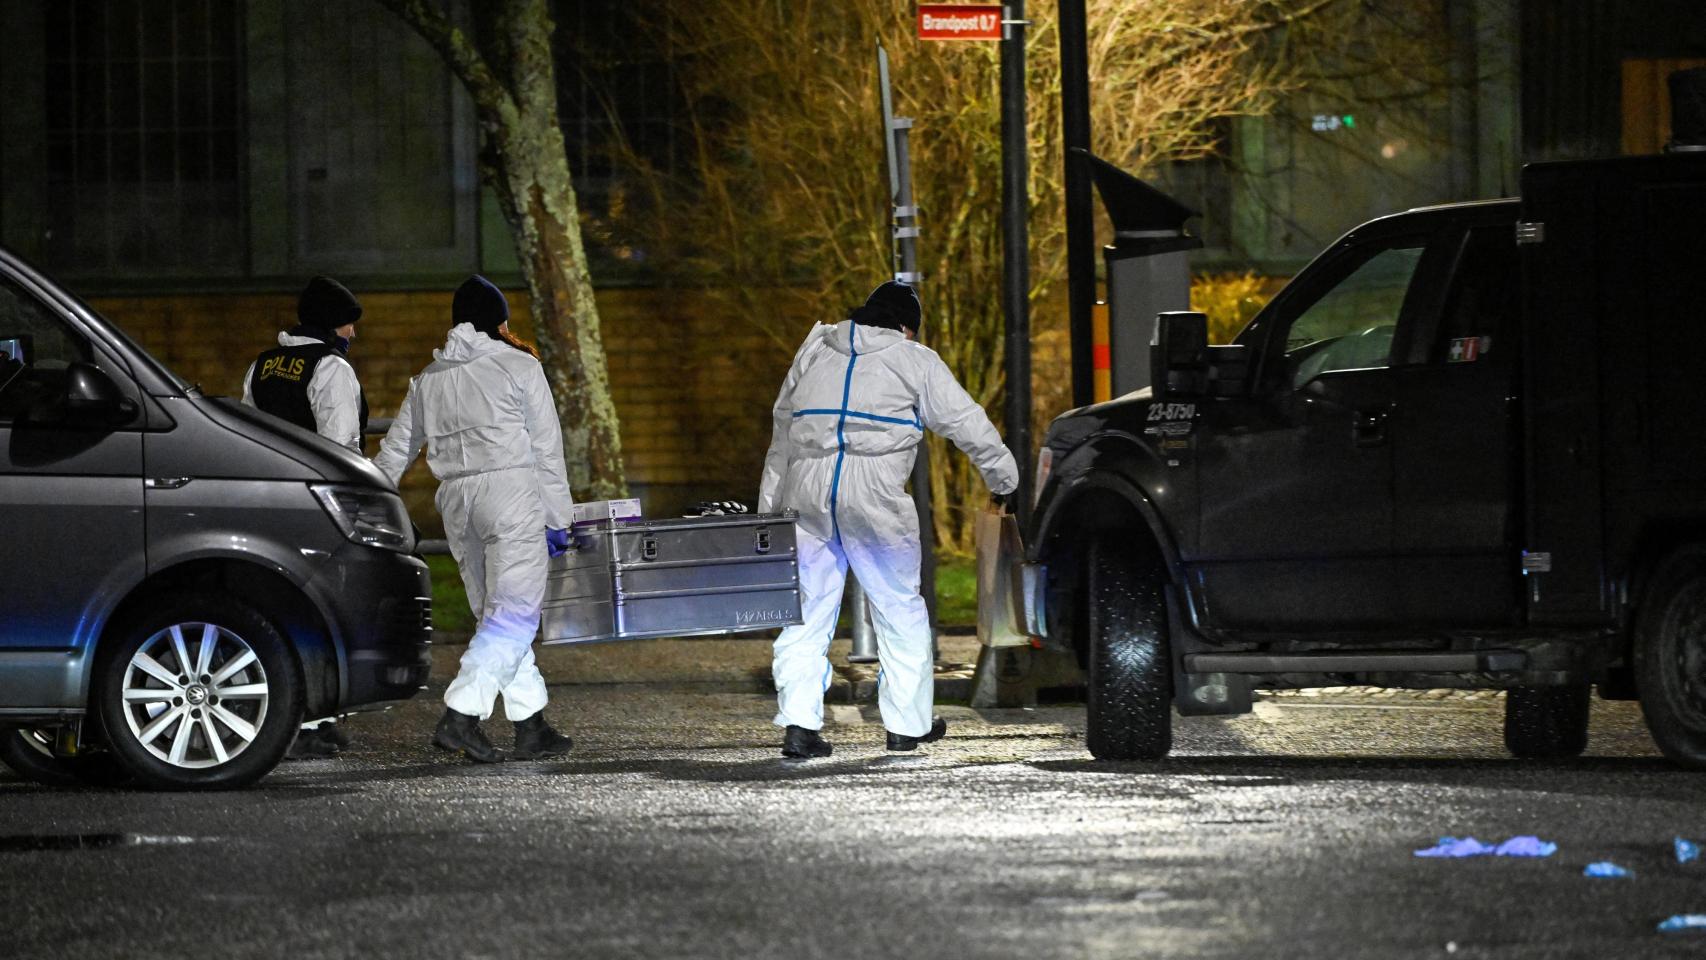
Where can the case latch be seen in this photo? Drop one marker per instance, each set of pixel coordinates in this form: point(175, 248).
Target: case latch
point(761, 540)
point(649, 548)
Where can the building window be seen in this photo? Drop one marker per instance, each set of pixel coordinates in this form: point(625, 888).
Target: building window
point(143, 126)
point(616, 91)
point(382, 173)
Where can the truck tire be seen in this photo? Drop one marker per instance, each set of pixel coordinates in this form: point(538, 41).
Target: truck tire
point(1547, 723)
point(202, 693)
point(29, 752)
point(1670, 659)
point(1131, 671)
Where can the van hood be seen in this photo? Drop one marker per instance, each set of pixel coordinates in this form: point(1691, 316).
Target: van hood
point(266, 446)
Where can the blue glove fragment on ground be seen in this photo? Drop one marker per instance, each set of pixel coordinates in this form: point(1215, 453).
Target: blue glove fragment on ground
point(1524, 846)
point(556, 542)
point(1686, 850)
point(1453, 847)
point(1685, 921)
point(1605, 868)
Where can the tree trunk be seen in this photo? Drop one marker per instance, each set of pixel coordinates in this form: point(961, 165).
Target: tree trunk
point(533, 184)
point(511, 76)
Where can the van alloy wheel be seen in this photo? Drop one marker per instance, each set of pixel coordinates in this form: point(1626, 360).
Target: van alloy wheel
point(195, 695)
point(30, 752)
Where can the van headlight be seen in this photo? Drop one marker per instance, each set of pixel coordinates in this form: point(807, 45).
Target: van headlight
point(1045, 466)
point(371, 517)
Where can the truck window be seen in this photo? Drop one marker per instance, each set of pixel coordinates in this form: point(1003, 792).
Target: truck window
point(1483, 300)
point(41, 340)
point(1350, 326)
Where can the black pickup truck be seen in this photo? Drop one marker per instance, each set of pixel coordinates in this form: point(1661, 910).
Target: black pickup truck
point(1465, 447)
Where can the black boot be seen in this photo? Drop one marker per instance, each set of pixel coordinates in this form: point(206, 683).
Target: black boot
point(535, 739)
point(309, 745)
point(332, 733)
point(800, 743)
point(938, 730)
point(460, 733)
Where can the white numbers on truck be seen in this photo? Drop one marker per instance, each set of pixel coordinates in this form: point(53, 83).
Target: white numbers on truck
point(1172, 411)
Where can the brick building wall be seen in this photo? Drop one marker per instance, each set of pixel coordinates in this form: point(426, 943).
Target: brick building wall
point(693, 385)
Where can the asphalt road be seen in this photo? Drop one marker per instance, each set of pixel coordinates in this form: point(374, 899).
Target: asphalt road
point(675, 830)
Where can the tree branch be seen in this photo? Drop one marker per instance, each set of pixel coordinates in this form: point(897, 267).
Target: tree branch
point(429, 20)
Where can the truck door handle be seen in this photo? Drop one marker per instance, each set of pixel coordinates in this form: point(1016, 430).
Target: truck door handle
point(1368, 427)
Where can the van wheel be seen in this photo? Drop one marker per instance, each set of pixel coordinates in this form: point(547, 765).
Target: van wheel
point(202, 694)
point(1547, 723)
point(1131, 670)
point(29, 752)
point(1670, 660)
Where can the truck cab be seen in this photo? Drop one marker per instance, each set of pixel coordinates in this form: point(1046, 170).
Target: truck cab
point(1462, 448)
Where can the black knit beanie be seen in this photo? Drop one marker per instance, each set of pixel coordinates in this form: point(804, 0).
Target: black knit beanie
point(327, 305)
point(480, 303)
point(893, 305)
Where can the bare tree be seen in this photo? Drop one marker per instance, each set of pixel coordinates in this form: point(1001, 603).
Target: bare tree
point(506, 65)
point(787, 186)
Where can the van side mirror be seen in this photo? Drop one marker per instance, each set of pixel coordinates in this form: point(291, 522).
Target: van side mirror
point(1178, 354)
point(92, 397)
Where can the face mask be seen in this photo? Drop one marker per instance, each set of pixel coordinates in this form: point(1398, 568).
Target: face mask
point(342, 343)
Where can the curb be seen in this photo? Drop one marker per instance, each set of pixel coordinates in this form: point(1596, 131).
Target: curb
point(857, 683)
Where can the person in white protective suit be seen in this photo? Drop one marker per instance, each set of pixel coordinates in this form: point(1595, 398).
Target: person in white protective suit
point(307, 379)
point(484, 411)
point(848, 421)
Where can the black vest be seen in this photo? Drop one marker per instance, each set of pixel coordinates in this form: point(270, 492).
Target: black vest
point(279, 383)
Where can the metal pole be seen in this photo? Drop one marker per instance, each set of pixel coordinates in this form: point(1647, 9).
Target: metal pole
point(1015, 250)
point(906, 271)
point(864, 648)
point(896, 148)
point(1080, 227)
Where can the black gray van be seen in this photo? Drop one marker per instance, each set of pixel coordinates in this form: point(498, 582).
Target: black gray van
point(184, 578)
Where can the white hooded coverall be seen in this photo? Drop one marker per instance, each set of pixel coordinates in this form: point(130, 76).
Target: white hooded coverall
point(848, 422)
point(334, 395)
point(484, 411)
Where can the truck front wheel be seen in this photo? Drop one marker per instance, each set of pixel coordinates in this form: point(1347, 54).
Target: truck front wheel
point(1670, 660)
point(1131, 682)
point(1547, 723)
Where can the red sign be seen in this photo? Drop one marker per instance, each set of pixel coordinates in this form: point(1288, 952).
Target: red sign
point(959, 21)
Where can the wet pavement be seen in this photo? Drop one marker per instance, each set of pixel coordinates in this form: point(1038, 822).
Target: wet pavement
point(675, 830)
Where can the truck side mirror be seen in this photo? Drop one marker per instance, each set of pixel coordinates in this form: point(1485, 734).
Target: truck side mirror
point(1178, 354)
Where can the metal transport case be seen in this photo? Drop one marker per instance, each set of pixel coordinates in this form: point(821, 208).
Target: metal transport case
point(694, 576)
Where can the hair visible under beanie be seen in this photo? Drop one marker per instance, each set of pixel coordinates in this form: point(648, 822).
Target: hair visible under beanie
point(893, 305)
point(479, 302)
point(327, 305)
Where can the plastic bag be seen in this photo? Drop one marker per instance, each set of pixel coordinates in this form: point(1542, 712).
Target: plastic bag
point(1686, 850)
point(1000, 553)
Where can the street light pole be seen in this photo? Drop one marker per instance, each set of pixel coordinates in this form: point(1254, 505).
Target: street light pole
point(1015, 251)
point(1080, 227)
